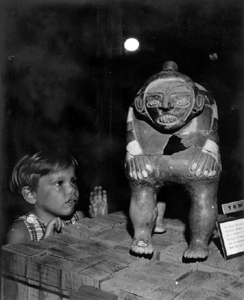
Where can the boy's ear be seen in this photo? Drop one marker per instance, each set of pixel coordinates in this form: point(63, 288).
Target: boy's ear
point(29, 195)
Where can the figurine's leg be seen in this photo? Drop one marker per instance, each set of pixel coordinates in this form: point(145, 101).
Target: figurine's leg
point(203, 216)
point(160, 226)
point(143, 213)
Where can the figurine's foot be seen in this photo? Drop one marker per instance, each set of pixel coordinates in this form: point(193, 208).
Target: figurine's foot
point(159, 228)
point(141, 246)
point(197, 250)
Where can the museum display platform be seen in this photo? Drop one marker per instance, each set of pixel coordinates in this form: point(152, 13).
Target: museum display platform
point(91, 260)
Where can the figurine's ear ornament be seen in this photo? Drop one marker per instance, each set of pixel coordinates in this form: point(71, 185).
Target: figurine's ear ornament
point(139, 103)
point(199, 102)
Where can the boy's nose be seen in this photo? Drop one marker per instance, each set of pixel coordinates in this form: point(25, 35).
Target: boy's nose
point(70, 189)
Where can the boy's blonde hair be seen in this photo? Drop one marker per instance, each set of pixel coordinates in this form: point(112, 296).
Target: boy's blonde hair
point(31, 167)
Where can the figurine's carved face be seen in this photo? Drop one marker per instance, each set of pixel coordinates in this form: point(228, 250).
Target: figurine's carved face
point(169, 103)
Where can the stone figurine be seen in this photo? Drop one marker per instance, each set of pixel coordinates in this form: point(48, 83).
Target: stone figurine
point(172, 137)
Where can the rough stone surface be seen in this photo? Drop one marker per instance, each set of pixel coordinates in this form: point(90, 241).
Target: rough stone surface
point(98, 264)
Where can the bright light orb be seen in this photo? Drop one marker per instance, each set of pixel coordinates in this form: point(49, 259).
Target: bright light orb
point(131, 44)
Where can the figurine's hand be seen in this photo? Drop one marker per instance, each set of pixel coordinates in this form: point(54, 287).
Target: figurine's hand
point(54, 226)
point(98, 202)
point(138, 167)
point(205, 164)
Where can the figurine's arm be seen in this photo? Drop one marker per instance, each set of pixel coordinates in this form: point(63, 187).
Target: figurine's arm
point(137, 165)
point(207, 163)
point(202, 133)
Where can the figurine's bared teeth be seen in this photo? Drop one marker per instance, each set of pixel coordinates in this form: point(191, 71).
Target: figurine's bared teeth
point(167, 119)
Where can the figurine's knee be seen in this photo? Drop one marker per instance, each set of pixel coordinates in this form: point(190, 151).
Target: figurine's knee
point(204, 210)
point(143, 206)
point(204, 193)
point(143, 197)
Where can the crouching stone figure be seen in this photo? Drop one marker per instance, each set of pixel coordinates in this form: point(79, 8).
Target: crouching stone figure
point(172, 137)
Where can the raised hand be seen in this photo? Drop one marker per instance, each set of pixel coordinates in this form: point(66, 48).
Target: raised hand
point(98, 202)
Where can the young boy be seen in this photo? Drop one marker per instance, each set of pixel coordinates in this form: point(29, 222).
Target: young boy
point(48, 182)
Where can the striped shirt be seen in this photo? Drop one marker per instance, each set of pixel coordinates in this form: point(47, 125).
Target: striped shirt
point(36, 228)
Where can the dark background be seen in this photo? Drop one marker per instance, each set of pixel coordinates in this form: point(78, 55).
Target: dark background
point(68, 83)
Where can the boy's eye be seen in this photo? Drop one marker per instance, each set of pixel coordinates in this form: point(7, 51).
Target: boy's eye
point(74, 181)
point(59, 183)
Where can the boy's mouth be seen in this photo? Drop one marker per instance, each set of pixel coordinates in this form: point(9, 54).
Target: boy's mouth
point(72, 201)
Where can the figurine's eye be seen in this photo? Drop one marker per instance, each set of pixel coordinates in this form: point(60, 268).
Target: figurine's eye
point(152, 103)
point(156, 97)
point(153, 100)
point(182, 101)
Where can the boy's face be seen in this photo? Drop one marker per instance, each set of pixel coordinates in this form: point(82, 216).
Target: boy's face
point(56, 195)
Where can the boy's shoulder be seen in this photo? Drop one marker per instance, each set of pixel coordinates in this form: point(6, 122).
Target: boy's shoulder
point(17, 233)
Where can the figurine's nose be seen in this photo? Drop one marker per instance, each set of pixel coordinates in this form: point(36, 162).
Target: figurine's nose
point(166, 105)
